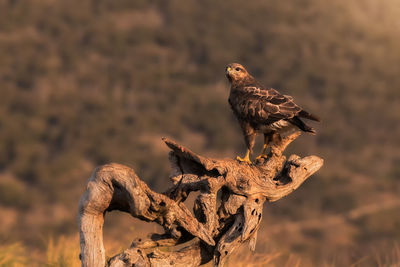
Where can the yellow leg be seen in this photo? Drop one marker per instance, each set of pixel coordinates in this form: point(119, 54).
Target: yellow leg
point(266, 141)
point(262, 154)
point(246, 157)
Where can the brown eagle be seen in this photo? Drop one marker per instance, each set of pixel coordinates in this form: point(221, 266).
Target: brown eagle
point(262, 110)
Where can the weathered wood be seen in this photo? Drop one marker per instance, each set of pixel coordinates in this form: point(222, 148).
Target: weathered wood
point(117, 187)
point(220, 229)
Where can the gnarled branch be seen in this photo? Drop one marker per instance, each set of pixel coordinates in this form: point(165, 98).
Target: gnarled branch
point(220, 229)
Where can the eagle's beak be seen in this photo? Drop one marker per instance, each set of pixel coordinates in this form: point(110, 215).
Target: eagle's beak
point(228, 70)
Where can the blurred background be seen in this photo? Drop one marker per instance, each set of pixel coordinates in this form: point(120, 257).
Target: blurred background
point(84, 83)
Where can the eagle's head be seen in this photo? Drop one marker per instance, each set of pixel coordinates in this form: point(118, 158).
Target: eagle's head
point(236, 72)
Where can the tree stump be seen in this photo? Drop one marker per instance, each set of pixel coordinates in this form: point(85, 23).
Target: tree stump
point(215, 230)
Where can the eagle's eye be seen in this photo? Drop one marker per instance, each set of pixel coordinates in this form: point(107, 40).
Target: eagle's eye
point(238, 69)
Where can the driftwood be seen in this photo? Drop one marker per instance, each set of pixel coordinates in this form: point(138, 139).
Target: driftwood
point(227, 212)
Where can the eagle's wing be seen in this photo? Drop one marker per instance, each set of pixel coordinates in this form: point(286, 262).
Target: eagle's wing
point(263, 106)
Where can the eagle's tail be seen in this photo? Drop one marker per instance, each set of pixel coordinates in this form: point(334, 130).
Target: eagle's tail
point(302, 126)
point(306, 115)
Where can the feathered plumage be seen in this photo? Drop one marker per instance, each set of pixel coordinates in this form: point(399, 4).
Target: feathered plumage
point(262, 110)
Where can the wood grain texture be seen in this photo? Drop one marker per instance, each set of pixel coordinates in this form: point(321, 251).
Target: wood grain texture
point(215, 231)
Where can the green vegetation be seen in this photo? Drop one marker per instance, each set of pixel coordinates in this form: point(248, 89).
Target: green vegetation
point(83, 83)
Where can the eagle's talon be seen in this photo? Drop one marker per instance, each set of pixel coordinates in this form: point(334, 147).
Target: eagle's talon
point(245, 159)
point(262, 156)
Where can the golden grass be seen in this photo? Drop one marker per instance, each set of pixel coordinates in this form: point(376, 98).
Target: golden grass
point(12, 255)
point(244, 259)
point(64, 252)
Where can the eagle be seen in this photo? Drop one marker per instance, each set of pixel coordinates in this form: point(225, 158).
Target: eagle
point(263, 110)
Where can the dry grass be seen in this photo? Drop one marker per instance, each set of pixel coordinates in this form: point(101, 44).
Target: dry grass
point(64, 251)
point(12, 255)
point(60, 253)
point(244, 258)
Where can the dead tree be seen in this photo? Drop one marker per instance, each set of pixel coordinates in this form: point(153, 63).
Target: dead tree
point(216, 229)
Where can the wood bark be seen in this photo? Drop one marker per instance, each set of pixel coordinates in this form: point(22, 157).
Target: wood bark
point(216, 229)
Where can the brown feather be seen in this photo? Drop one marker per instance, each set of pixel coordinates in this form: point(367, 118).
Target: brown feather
point(260, 109)
point(306, 115)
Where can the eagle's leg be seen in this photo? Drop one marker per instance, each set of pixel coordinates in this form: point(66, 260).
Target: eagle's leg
point(250, 140)
point(267, 139)
point(246, 158)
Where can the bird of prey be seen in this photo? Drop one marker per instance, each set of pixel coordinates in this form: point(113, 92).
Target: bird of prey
point(262, 110)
